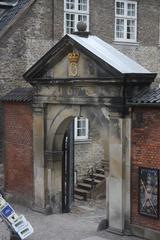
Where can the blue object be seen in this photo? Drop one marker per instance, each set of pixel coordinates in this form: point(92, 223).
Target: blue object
point(7, 211)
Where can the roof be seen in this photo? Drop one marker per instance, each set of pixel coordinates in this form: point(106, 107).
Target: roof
point(19, 95)
point(147, 96)
point(8, 2)
point(112, 60)
point(10, 10)
point(109, 54)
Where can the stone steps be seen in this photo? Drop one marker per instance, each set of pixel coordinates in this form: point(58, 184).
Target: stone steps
point(88, 185)
point(100, 170)
point(84, 186)
point(81, 192)
point(90, 180)
point(98, 176)
point(79, 197)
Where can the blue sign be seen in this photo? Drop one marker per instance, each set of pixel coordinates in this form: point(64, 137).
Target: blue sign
point(18, 224)
point(7, 211)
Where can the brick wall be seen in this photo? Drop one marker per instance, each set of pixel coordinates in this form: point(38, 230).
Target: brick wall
point(1, 133)
point(145, 153)
point(18, 150)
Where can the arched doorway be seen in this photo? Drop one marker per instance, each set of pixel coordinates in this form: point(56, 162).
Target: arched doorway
point(62, 167)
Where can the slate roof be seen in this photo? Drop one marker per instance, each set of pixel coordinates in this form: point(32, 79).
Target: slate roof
point(8, 2)
point(111, 59)
point(147, 96)
point(19, 95)
point(109, 54)
point(12, 8)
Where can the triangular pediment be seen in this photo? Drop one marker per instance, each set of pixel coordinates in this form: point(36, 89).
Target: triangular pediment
point(96, 59)
point(82, 67)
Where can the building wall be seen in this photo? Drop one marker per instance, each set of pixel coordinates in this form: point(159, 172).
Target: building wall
point(89, 154)
point(23, 45)
point(102, 23)
point(18, 151)
point(145, 153)
point(27, 41)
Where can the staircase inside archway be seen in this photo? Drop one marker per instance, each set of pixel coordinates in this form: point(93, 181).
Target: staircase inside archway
point(93, 186)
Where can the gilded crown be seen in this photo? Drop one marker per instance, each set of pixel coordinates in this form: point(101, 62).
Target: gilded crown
point(73, 57)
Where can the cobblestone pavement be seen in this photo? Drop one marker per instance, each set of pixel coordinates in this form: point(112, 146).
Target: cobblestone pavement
point(80, 224)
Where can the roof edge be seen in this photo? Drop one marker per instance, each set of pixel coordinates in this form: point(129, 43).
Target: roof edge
point(9, 4)
point(19, 95)
point(17, 16)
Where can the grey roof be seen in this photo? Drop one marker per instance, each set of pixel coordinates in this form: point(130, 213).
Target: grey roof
point(147, 96)
point(8, 2)
point(19, 95)
point(13, 7)
point(111, 59)
point(109, 54)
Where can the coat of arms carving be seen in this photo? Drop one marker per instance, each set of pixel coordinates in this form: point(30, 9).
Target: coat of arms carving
point(73, 63)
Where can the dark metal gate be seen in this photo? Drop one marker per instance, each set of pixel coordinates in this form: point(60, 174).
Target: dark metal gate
point(68, 170)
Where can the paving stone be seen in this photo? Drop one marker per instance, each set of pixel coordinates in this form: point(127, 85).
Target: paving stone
point(78, 225)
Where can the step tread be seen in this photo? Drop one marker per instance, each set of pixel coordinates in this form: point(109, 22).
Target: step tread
point(84, 185)
point(99, 175)
point(90, 180)
point(100, 169)
point(78, 197)
point(81, 190)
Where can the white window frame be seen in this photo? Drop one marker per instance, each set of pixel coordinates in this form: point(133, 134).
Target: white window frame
point(125, 17)
point(76, 12)
point(76, 129)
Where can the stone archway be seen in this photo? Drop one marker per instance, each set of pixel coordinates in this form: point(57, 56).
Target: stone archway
point(55, 138)
point(83, 70)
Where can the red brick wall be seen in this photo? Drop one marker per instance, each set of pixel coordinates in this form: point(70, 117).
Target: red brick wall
point(18, 150)
point(145, 153)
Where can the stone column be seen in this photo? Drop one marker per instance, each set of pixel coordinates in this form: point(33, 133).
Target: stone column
point(127, 172)
point(38, 157)
point(116, 175)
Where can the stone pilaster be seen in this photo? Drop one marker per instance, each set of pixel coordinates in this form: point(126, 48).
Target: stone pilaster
point(127, 171)
point(38, 157)
point(116, 181)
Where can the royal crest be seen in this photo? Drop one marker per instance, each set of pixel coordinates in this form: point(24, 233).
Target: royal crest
point(73, 63)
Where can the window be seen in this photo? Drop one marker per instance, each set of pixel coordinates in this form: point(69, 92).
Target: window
point(75, 11)
point(126, 21)
point(81, 128)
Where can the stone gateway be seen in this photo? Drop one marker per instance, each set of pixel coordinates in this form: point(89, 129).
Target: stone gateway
point(80, 76)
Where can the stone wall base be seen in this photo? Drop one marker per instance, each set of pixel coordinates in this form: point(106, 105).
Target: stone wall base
point(146, 233)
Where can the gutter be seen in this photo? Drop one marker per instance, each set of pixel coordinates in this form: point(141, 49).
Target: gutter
point(143, 104)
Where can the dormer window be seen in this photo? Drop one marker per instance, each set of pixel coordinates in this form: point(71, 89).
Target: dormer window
point(75, 11)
